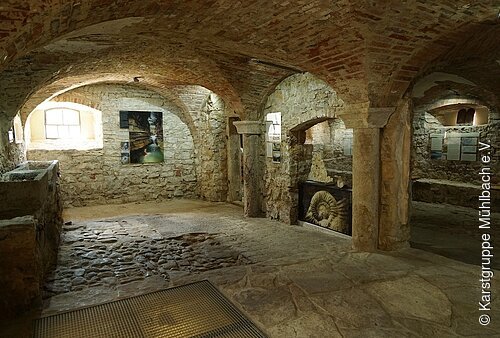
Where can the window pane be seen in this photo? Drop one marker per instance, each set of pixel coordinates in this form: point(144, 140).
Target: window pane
point(74, 131)
point(71, 117)
point(51, 132)
point(53, 116)
point(63, 131)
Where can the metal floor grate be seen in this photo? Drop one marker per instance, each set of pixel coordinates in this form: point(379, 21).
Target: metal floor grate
point(193, 310)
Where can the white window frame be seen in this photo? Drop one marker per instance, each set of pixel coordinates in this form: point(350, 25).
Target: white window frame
point(63, 124)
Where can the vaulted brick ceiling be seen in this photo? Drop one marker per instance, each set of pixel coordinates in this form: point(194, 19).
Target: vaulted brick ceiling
point(367, 50)
point(476, 58)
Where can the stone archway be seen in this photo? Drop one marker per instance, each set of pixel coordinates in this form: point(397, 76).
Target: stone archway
point(446, 160)
point(97, 175)
point(319, 152)
point(303, 101)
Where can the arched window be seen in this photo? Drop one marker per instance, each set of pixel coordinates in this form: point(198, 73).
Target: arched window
point(62, 123)
point(466, 116)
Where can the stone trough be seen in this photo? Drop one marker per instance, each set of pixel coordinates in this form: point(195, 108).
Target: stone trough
point(25, 188)
point(30, 226)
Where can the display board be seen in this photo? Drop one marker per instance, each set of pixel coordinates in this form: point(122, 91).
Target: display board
point(348, 142)
point(326, 205)
point(454, 146)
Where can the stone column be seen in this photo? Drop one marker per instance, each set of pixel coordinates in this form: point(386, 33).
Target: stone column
point(252, 166)
point(395, 198)
point(233, 161)
point(366, 188)
point(366, 173)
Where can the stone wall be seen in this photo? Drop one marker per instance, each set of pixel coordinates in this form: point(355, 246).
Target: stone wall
point(96, 176)
point(11, 154)
point(330, 147)
point(212, 171)
point(304, 101)
point(455, 193)
point(425, 124)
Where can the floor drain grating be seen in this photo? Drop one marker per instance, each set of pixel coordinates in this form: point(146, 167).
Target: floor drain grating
point(192, 310)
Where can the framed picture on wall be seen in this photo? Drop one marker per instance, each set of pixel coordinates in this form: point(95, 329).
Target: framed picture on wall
point(326, 205)
point(276, 152)
point(124, 152)
point(273, 136)
point(125, 158)
point(125, 148)
point(145, 143)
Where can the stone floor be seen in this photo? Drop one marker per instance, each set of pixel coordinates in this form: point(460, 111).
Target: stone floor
point(116, 252)
point(292, 281)
point(452, 231)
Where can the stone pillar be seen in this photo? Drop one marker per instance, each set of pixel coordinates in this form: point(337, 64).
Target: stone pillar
point(233, 161)
point(366, 186)
point(366, 173)
point(395, 197)
point(253, 175)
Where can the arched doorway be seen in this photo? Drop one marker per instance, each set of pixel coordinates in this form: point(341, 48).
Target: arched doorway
point(451, 134)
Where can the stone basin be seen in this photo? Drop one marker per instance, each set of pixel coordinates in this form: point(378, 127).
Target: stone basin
point(31, 171)
point(25, 188)
point(30, 224)
point(24, 175)
point(36, 165)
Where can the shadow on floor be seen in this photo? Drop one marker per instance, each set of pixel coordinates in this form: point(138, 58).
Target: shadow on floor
point(452, 231)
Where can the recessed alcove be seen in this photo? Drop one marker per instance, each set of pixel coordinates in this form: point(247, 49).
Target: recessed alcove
point(445, 150)
point(461, 115)
point(450, 138)
point(64, 125)
point(321, 150)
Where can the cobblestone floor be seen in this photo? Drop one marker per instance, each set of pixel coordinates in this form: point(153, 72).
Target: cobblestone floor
point(291, 281)
point(112, 252)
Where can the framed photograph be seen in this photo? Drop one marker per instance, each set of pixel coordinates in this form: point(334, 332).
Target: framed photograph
point(326, 205)
point(125, 148)
point(145, 137)
point(125, 158)
point(469, 141)
point(276, 152)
